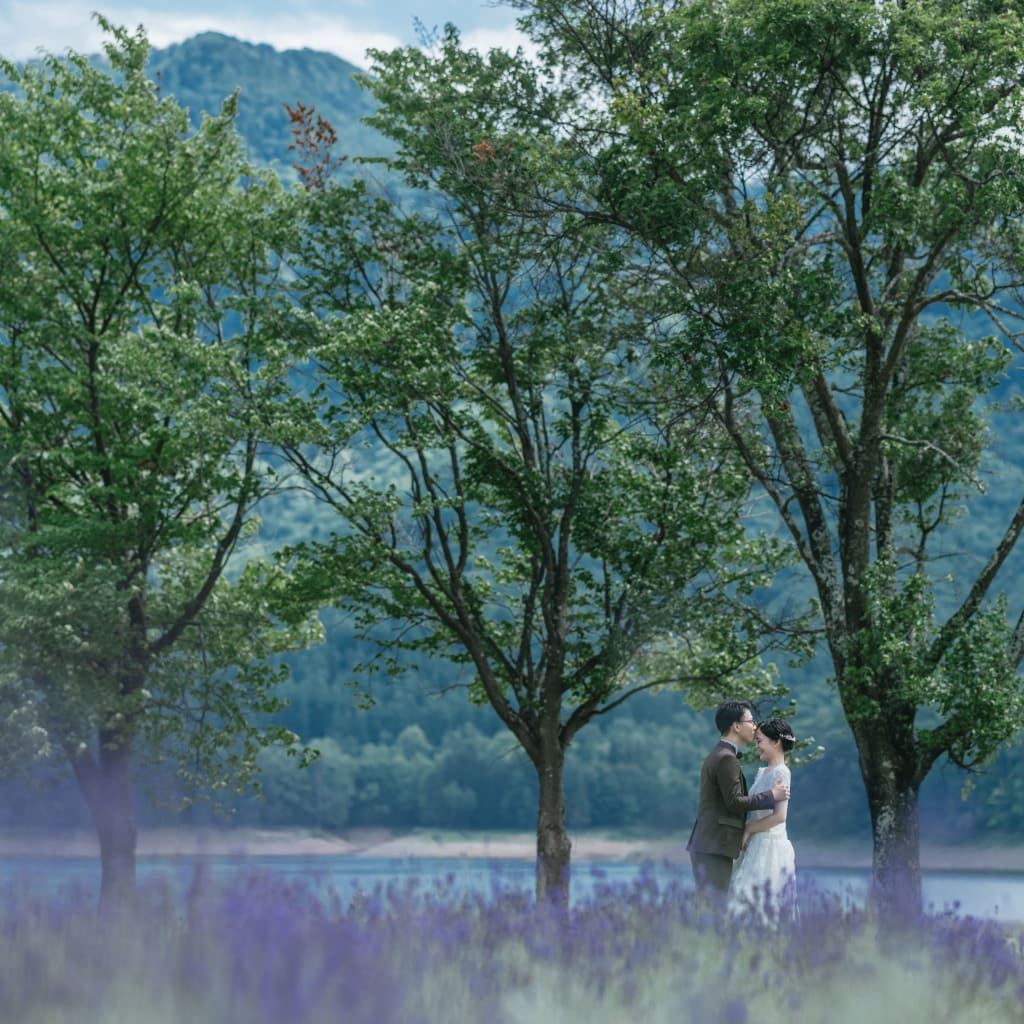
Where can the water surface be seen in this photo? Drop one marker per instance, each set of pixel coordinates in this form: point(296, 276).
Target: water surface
point(989, 894)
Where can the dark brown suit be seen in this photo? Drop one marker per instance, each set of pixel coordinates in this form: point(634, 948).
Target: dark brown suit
point(721, 814)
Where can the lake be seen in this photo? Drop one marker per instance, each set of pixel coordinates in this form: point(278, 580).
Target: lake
point(989, 894)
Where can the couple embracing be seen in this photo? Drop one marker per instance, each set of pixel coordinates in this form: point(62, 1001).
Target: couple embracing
point(739, 848)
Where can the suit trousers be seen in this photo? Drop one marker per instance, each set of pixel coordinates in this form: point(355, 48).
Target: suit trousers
point(711, 870)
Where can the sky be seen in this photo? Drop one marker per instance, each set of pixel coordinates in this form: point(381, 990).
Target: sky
point(346, 28)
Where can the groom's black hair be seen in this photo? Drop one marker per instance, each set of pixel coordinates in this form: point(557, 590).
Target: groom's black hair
point(730, 711)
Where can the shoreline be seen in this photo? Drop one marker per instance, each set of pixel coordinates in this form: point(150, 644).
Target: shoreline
point(588, 847)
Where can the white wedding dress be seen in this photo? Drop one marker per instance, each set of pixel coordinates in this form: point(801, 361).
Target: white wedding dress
point(764, 876)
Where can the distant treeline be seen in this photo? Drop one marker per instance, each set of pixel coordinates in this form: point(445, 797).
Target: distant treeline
point(419, 759)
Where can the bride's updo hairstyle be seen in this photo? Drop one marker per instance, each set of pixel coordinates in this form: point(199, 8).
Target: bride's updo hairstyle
point(778, 729)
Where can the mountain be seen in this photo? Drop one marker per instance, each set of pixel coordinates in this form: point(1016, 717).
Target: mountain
point(203, 71)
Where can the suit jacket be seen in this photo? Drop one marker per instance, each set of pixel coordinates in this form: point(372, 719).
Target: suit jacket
point(723, 804)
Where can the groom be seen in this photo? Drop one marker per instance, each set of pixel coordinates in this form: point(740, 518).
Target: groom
point(723, 802)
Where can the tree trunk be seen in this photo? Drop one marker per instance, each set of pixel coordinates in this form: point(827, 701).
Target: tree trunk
point(118, 839)
point(892, 790)
point(106, 784)
point(554, 848)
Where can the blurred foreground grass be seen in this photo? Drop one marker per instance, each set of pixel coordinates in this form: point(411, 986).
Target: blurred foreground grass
point(263, 951)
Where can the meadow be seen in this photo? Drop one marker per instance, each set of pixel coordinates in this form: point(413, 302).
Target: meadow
point(262, 951)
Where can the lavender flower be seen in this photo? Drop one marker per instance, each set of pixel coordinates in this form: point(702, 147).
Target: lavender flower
point(262, 950)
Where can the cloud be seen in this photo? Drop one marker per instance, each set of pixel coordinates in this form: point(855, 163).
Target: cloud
point(327, 34)
point(507, 38)
point(30, 28)
point(54, 26)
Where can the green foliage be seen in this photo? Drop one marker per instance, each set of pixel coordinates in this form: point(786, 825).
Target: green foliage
point(837, 207)
point(139, 260)
point(512, 495)
point(971, 691)
point(757, 288)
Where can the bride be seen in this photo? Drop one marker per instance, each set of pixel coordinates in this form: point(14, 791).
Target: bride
point(764, 879)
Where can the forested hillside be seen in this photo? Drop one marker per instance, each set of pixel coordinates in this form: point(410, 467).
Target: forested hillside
point(201, 72)
point(424, 756)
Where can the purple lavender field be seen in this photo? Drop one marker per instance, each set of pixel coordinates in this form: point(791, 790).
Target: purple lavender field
point(261, 950)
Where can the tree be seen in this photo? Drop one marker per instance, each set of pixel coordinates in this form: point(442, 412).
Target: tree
point(139, 261)
point(835, 189)
point(509, 499)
